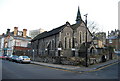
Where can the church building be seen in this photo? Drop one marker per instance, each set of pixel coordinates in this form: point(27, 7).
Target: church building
point(66, 40)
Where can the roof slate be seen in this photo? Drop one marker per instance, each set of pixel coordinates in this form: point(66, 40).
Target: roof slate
point(56, 30)
point(113, 37)
point(95, 38)
point(49, 33)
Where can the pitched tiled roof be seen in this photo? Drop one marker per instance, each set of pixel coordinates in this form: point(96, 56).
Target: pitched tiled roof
point(49, 33)
point(95, 38)
point(56, 30)
point(113, 37)
point(22, 38)
point(17, 37)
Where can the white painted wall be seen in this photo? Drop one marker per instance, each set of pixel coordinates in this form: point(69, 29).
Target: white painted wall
point(22, 43)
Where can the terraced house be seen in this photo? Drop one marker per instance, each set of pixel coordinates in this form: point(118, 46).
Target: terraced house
point(66, 40)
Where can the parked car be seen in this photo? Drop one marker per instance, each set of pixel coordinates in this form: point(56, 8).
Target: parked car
point(15, 58)
point(2, 57)
point(23, 59)
point(9, 57)
point(117, 52)
point(5, 57)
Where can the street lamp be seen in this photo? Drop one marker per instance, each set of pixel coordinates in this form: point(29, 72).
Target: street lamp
point(59, 55)
point(86, 55)
point(33, 54)
point(118, 37)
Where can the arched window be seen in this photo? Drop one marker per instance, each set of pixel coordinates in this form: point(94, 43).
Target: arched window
point(84, 36)
point(53, 44)
point(69, 43)
point(65, 42)
point(80, 37)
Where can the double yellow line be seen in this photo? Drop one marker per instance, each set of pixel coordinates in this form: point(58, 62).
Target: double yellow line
point(104, 67)
point(78, 71)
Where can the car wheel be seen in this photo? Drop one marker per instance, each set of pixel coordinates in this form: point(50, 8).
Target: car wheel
point(20, 61)
point(28, 62)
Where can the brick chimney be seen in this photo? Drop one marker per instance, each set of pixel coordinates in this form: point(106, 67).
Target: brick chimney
point(8, 32)
point(24, 32)
point(15, 31)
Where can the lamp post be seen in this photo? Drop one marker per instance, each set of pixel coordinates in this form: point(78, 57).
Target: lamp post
point(59, 55)
point(73, 44)
point(86, 55)
point(118, 34)
point(33, 54)
point(59, 49)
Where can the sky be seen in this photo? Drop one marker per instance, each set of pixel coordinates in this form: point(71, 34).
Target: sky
point(49, 14)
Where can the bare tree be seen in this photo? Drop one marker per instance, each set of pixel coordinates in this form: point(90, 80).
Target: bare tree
point(92, 26)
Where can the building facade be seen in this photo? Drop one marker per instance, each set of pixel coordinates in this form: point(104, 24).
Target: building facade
point(113, 39)
point(98, 43)
point(65, 40)
point(16, 42)
point(1, 44)
point(99, 40)
point(101, 36)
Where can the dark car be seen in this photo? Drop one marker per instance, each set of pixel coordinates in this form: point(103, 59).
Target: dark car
point(9, 57)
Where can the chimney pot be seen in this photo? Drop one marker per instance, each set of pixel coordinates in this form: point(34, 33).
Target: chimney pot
point(15, 31)
point(24, 32)
point(8, 31)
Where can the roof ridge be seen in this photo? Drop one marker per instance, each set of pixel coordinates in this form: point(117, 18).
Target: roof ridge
point(48, 33)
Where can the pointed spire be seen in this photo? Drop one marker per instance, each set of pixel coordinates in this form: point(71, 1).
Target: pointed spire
point(78, 18)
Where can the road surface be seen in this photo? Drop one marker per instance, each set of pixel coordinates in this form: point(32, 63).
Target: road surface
point(12, 70)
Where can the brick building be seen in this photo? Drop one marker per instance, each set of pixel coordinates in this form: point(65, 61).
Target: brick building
point(101, 36)
point(114, 39)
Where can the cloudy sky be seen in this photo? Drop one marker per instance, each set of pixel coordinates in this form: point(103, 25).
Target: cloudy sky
point(49, 14)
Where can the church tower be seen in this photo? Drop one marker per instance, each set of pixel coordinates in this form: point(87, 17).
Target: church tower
point(78, 18)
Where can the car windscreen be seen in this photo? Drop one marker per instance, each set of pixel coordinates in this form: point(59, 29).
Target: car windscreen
point(15, 56)
point(25, 57)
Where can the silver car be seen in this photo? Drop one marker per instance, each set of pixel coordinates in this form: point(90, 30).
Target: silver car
point(23, 59)
point(14, 58)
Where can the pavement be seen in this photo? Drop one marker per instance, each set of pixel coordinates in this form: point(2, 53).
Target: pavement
point(78, 69)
